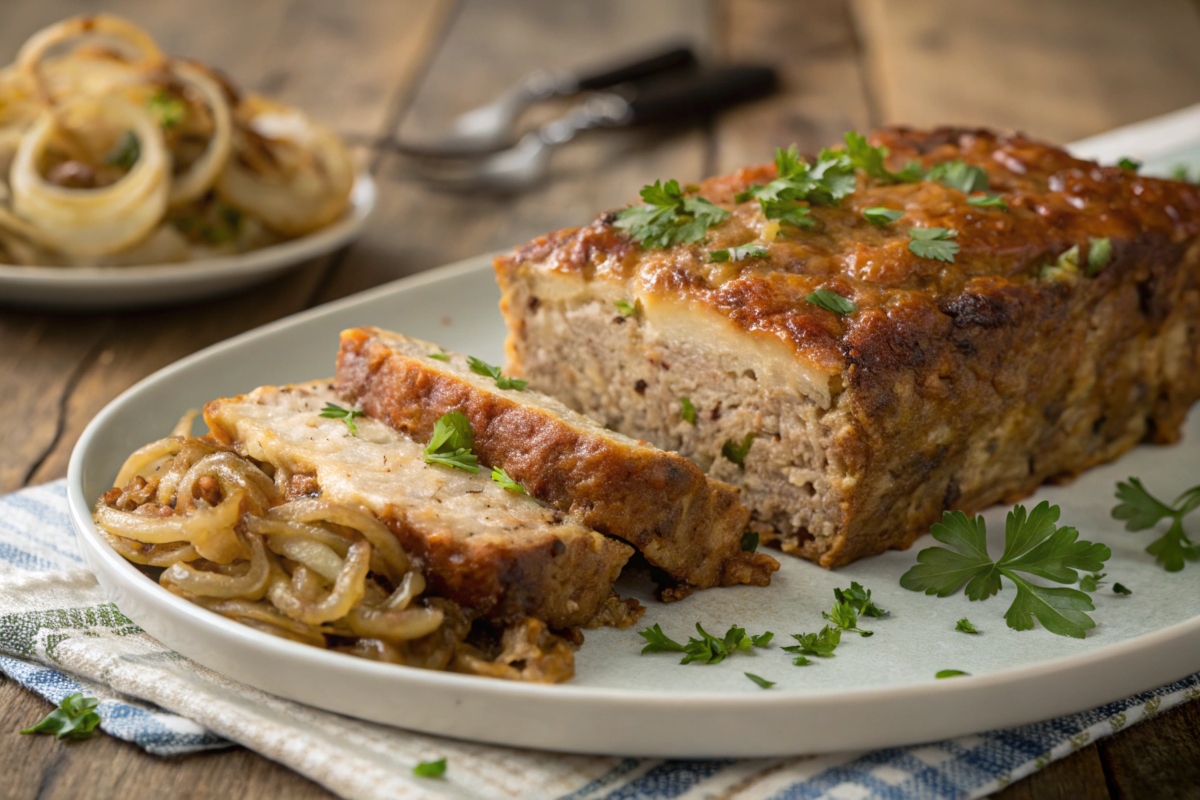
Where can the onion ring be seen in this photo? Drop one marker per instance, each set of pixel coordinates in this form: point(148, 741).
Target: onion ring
point(93, 222)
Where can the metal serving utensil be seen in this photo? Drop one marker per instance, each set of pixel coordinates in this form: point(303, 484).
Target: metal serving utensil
point(491, 127)
point(526, 163)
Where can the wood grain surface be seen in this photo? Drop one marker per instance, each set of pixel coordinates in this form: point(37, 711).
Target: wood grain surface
point(378, 69)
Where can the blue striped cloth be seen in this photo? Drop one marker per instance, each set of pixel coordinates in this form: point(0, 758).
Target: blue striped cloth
point(59, 636)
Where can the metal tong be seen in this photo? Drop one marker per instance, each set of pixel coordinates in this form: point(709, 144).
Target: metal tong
point(492, 127)
point(675, 96)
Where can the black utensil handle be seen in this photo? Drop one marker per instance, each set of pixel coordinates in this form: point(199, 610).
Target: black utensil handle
point(662, 61)
point(704, 93)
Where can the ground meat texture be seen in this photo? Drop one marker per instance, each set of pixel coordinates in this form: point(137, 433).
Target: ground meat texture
point(683, 523)
point(953, 385)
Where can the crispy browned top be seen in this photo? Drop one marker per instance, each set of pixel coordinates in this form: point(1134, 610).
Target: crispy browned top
point(1054, 202)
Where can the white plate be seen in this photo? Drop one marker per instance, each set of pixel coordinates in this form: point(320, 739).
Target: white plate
point(877, 692)
point(97, 288)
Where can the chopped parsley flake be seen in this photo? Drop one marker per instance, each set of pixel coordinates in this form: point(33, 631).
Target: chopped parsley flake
point(1099, 254)
point(451, 443)
point(440, 356)
point(965, 626)
point(819, 645)
point(878, 215)
point(988, 201)
point(1127, 163)
point(669, 217)
point(741, 253)
point(959, 175)
point(346, 415)
point(1141, 510)
point(935, 243)
point(950, 673)
point(1033, 544)
point(687, 411)
point(430, 769)
point(737, 452)
point(763, 682)
point(125, 152)
point(75, 718)
point(832, 301)
point(500, 476)
point(627, 308)
point(845, 617)
point(1121, 590)
point(860, 600)
point(750, 541)
point(480, 367)
point(707, 649)
point(167, 109)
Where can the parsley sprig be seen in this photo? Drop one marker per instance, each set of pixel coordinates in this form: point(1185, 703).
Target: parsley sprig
point(1033, 546)
point(798, 184)
point(707, 649)
point(740, 253)
point(935, 243)
point(346, 415)
point(818, 645)
point(959, 175)
point(860, 600)
point(500, 476)
point(451, 443)
point(832, 301)
point(871, 161)
point(75, 718)
point(845, 617)
point(880, 215)
point(669, 216)
point(481, 367)
point(1141, 510)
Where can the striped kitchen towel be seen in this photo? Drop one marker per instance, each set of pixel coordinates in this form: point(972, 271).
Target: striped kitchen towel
point(60, 636)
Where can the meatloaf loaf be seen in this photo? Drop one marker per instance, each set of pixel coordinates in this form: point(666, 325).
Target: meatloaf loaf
point(498, 554)
point(683, 523)
point(1053, 324)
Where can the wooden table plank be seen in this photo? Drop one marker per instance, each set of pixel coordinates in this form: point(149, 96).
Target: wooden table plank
point(1159, 758)
point(822, 80)
point(357, 65)
point(1056, 70)
point(417, 227)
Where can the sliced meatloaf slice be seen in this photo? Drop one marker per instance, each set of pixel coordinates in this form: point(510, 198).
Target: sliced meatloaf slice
point(856, 378)
point(685, 524)
point(495, 552)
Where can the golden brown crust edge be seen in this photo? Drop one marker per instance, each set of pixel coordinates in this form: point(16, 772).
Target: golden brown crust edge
point(563, 583)
point(684, 523)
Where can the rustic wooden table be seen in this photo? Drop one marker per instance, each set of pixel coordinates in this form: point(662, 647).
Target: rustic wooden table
point(1059, 70)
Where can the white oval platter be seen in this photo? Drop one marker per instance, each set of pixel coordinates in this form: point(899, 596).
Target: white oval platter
point(109, 288)
point(876, 692)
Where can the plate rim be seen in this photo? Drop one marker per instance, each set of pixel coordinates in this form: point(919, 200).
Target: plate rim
point(1121, 664)
point(362, 203)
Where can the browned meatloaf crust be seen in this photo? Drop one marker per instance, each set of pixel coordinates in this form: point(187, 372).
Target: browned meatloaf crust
point(495, 553)
point(952, 386)
point(662, 504)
